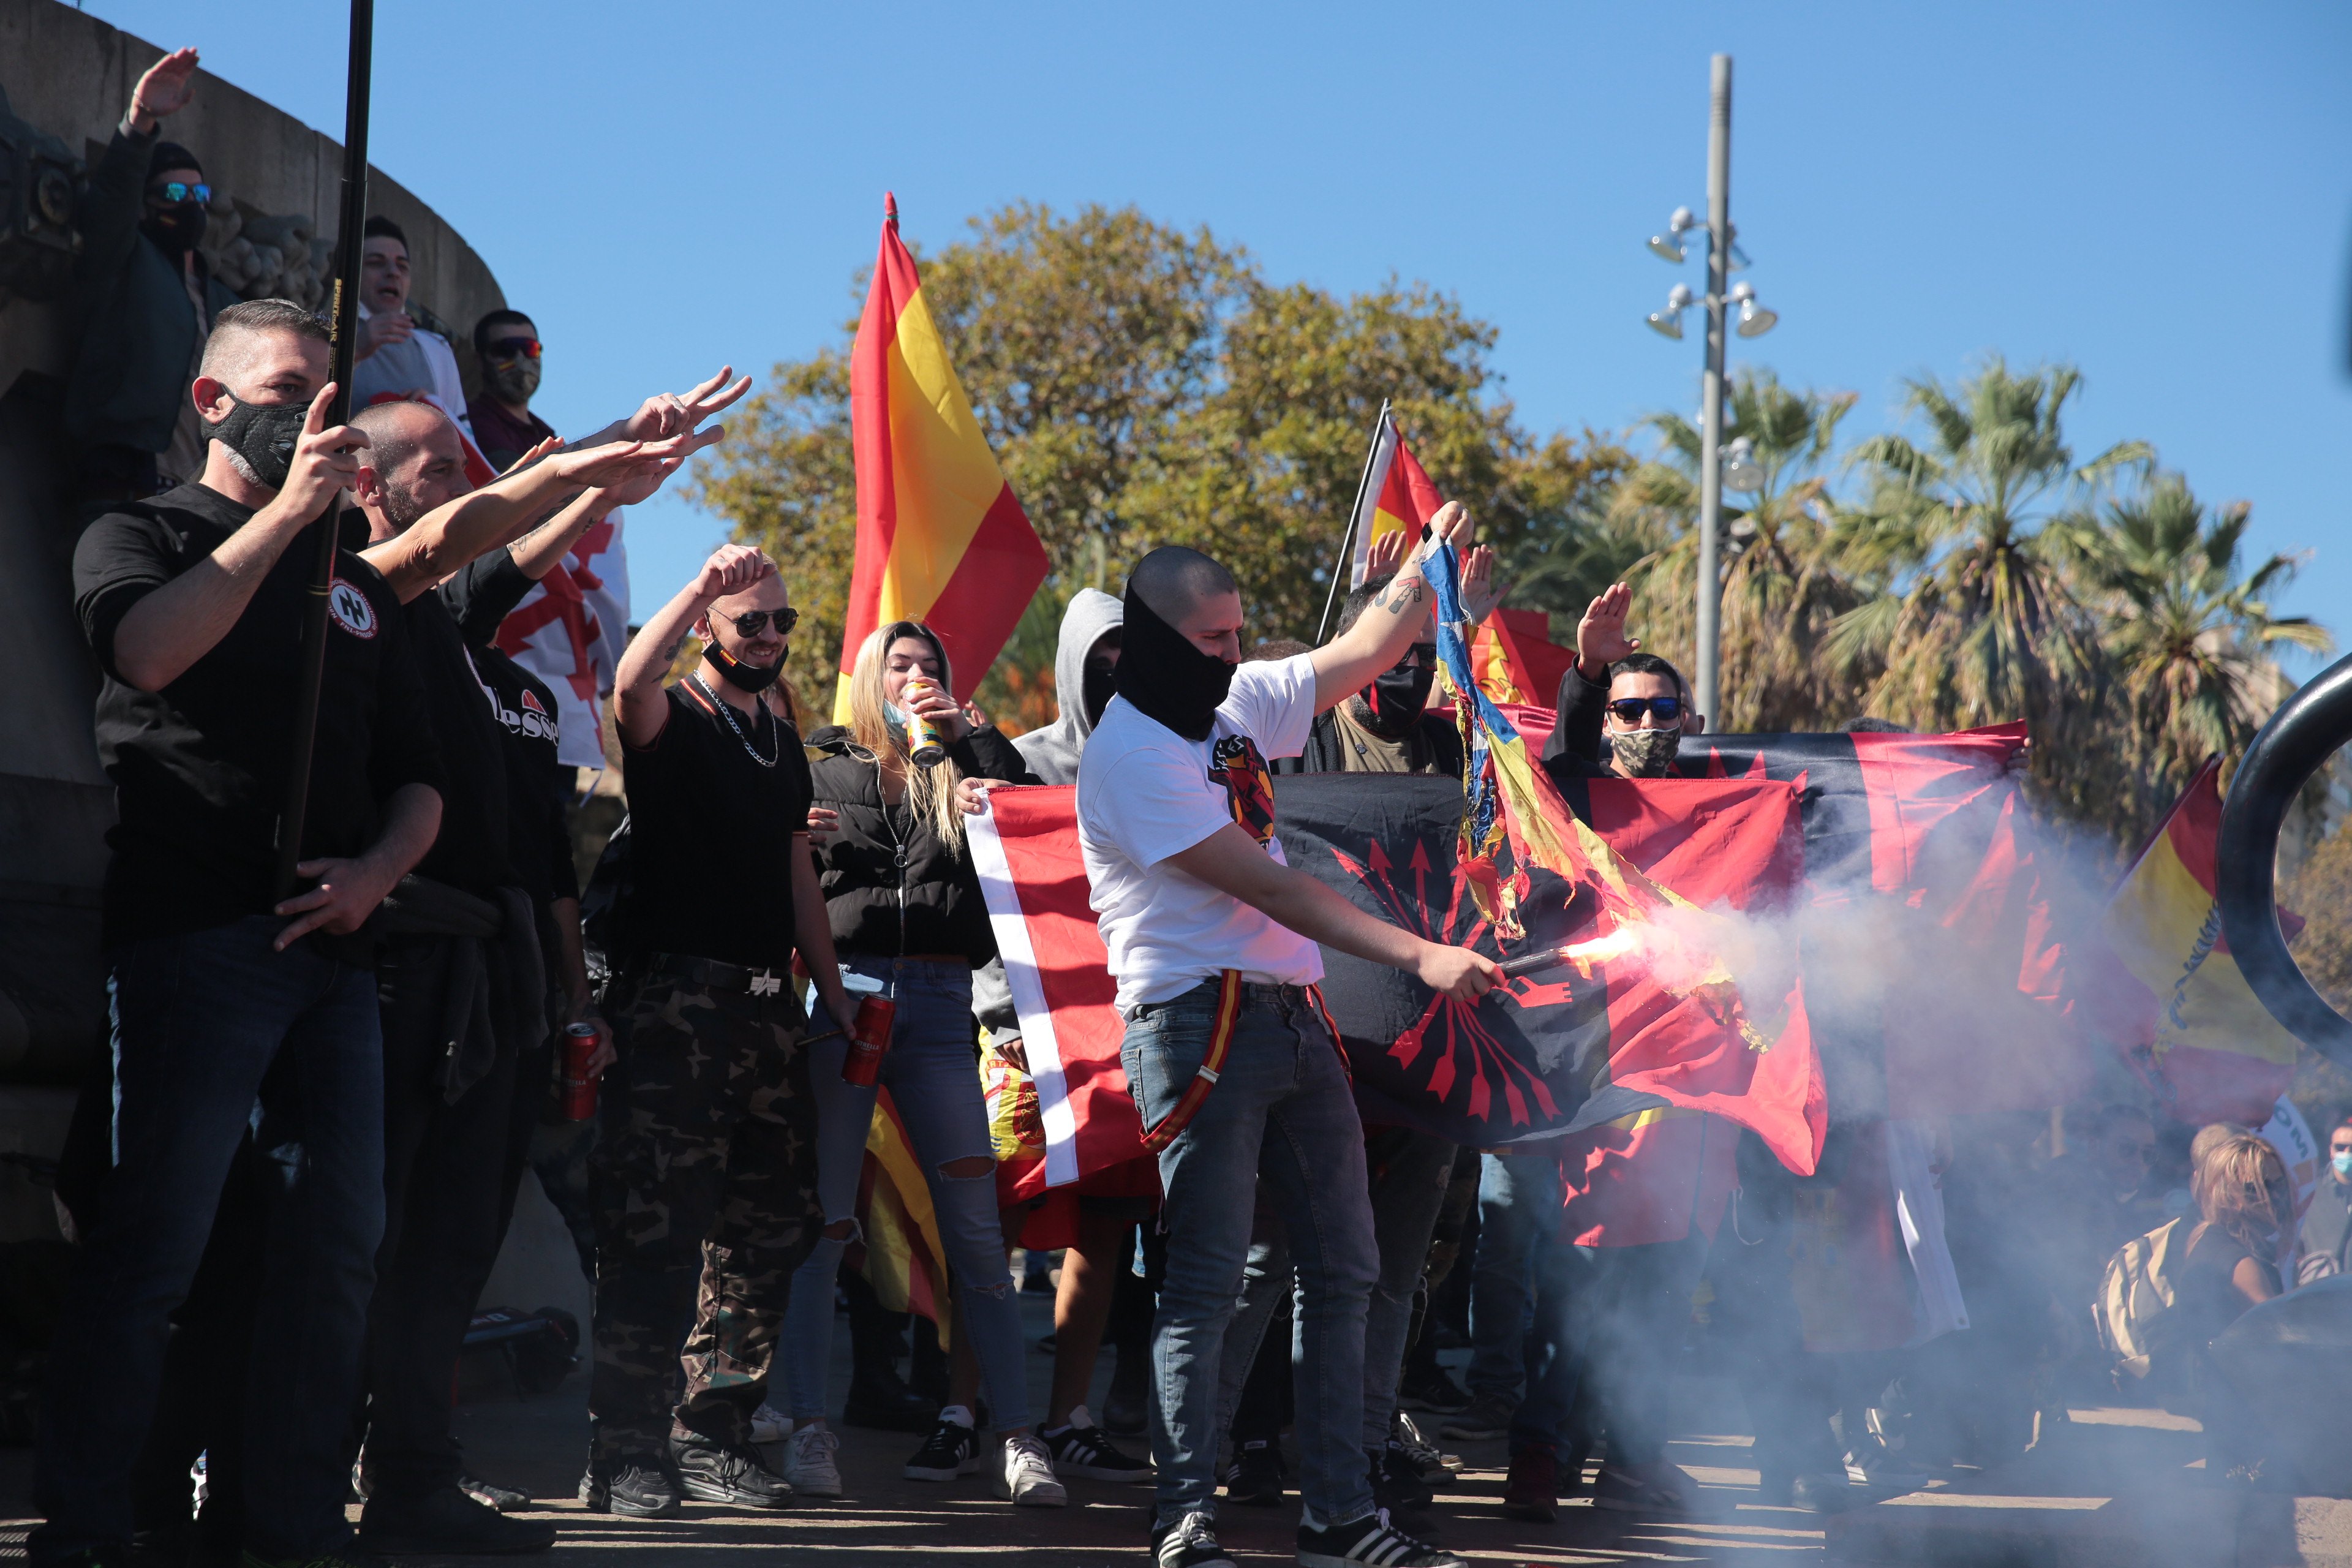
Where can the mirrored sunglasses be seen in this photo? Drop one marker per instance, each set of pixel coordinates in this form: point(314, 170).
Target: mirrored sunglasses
point(1629, 709)
point(177, 191)
point(748, 623)
point(513, 348)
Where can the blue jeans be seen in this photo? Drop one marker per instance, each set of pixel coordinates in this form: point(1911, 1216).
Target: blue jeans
point(1520, 1202)
point(1281, 1112)
point(1405, 1193)
point(214, 1033)
point(934, 1079)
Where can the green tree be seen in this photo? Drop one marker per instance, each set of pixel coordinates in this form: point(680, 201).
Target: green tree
point(1143, 386)
point(1976, 626)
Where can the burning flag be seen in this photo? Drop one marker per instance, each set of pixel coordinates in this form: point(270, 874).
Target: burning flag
point(941, 537)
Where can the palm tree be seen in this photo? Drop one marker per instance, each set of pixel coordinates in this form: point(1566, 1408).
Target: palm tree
point(1979, 628)
point(2188, 637)
point(1783, 583)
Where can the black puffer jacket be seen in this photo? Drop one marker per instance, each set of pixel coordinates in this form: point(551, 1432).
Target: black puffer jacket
point(858, 869)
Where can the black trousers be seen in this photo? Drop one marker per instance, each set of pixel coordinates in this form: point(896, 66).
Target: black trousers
point(445, 1200)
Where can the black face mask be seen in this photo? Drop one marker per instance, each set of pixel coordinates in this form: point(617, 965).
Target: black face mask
point(751, 680)
point(264, 437)
point(178, 228)
point(1099, 684)
point(1395, 702)
point(1165, 676)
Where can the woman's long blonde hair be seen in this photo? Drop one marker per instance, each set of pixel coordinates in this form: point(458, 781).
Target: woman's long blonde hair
point(931, 792)
point(2240, 1186)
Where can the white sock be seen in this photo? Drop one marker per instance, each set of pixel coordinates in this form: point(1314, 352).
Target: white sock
point(1309, 1519)
point(960, 1416)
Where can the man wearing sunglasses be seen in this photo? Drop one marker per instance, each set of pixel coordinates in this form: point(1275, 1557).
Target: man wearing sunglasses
point(507, 345)
point(1622, 713)
point(149, 299)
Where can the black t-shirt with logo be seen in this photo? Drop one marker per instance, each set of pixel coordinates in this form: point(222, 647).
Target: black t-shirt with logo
point(713, 805)
point(199, 768)
point(472, 851)
point(481, 596)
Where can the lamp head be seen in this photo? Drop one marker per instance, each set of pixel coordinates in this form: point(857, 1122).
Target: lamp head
point(1755, 321)
point(1741, 471)
point(1668, 322)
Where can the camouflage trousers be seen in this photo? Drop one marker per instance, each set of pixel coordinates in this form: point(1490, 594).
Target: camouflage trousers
point(705, 1185)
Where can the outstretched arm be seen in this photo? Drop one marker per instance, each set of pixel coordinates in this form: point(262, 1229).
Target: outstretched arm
point(667, 414)
point(638, 706)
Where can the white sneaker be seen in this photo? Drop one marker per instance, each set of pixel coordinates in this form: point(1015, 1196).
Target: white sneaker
point(770, 1425)
point(1024, 1472)
point(808, 1462)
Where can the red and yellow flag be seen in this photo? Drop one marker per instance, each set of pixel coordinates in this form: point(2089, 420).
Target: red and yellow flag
point(2216, 1050)
point(941, 537)
point(1397, 496)
point(1514, 659)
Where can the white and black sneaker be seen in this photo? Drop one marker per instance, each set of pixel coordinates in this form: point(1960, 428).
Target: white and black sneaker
point(1024, 1474)
point(1079, 1448)
point(952, 1449)
point(1369, 1543)
point(1190, 1542)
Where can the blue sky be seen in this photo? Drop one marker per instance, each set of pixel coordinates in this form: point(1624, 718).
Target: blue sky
point(2160, 193)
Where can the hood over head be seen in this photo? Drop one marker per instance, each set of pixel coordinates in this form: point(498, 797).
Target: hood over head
point(1053, 752)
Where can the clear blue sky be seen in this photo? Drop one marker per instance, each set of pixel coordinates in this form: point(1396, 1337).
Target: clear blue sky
point(2160, 193)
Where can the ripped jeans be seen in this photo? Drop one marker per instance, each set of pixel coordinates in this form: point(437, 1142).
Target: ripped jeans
point(934, 1079)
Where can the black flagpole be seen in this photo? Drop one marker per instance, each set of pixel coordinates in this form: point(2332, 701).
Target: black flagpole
point(1363, 482)
point(346, 304)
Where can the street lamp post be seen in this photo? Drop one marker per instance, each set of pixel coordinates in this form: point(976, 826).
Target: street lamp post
point(1754, 320)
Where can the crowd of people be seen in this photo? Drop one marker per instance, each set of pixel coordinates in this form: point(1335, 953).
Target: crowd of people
point(321, 1100)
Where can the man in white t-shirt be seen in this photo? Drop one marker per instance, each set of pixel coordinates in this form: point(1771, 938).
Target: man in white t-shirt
point(1212, 940)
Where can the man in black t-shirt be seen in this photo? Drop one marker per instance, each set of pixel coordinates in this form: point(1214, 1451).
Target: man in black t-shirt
point(194, 606)
point(709, 1131)
point(461, 942)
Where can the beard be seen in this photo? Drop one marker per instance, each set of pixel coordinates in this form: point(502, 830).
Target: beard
point(401, 508)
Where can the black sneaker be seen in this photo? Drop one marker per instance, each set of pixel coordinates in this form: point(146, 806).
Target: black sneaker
point(1079, 1448)
point(1437, 1470)
point(1370, 1543)
point(731, 1475)
point(489, 1494)
point(638, 1488)
point(1255, 1477)
point(952, 1449)
point(446, 1522)
point(1398, 1494)
point(1431, 1387)
point(1190, 1542)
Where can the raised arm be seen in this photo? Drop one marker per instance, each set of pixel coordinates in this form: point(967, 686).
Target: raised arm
point(182, 620)
point(638, 706)
point(1231, 861)
point(1357, 656)
point(667, 414)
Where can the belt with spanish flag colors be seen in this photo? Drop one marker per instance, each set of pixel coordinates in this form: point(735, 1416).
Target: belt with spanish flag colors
point(1213, 1061)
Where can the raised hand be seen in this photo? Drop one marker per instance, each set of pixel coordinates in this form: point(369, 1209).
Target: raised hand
point(1480, 592)
point(326, 460)
point(674, 414)
point(546, 445)
point(1600, 639)
point(383, 330)
point(1387, 553)
point(164, 90)
point(730, 569)
point(1452, 525)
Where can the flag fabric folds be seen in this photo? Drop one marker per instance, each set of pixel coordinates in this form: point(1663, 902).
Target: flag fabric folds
point(2196, 1029)
point(1398, 496)
point(941, 537)
point(1515, 661)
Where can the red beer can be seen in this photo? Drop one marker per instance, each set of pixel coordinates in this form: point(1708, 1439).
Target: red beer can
point(869, 1036)
point(576, 1101)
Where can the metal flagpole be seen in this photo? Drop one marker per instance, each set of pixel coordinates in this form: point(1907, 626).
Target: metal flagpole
point(1710, 457)
point(314, 666)
point(1363, 482)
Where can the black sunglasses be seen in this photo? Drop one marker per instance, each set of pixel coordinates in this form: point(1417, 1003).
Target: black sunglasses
point(1629, 709)
point(511, 348)
point(748, 623)
point(176, 191)
point(1419, 656)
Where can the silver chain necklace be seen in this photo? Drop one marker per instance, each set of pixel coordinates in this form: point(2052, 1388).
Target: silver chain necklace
point(727, 711)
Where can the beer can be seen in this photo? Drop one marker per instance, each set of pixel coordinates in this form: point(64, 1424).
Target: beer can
point(924, 747)
point(576, 1098)
point(870, 1037)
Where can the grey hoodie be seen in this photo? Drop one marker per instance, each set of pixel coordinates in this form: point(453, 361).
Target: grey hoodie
point(1052, 755)
point(1053, 752)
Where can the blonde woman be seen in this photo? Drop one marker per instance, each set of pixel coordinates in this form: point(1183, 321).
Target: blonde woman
point(908, 923)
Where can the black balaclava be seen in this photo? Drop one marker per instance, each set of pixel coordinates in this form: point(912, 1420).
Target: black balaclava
point(1098, 680)
point(264, 437)
point(751, 680)
point(1165, 676)
point(1393, 703)
point(179, 228)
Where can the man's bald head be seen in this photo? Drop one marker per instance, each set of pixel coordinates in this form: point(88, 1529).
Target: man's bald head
point(396, 429)
point(1174, 579)
point(415, 461)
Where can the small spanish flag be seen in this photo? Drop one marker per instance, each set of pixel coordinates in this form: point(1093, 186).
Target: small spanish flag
point(1397, 495)
point(941, 537)
point(2217, 1053)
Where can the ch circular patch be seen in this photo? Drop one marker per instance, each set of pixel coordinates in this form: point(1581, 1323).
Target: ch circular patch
point(353, 609)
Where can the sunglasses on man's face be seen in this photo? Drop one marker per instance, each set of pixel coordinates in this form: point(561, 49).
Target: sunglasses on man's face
point(178, 191)
point(750, 623)
point(1629, 709)
point(513, 348)
point(1419, 656)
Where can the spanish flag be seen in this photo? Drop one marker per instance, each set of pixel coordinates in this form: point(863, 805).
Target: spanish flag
point(941, 537)
point(2216, 1053)
point(1396, 495)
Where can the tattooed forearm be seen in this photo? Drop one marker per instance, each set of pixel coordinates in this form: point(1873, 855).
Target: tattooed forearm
point(1398, 599)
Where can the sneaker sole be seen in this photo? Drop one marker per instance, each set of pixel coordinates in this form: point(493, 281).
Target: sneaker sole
point(1035, 1497)
point(1326, 1560)
point(814, 1488)
point(927, 1473)
point(725, 1499)
point(638, 1511)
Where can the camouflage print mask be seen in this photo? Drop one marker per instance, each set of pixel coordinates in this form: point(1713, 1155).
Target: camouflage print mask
point(1648, 753)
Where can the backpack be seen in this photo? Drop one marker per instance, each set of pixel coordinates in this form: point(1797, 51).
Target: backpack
point(2135, 1293)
